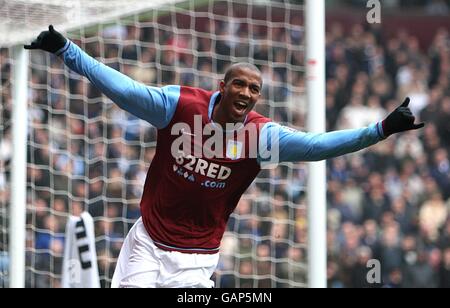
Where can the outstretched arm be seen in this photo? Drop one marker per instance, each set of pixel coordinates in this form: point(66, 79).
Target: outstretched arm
point(155, 105)
point(294, 146)
point(299, 146)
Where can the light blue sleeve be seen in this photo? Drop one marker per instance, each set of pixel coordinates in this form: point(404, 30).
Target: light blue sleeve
point(154, 105)
point(287, 145)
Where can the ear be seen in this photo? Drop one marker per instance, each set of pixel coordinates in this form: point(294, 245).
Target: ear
point(222, 86)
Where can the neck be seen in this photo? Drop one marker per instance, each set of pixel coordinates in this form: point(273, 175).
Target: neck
point(219, 116)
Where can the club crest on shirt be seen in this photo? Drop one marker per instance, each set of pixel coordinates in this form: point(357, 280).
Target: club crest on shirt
point(234, 149)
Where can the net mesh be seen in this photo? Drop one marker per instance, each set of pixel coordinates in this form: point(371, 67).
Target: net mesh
point(84, 153)
point(21, 18)
point(5, 156)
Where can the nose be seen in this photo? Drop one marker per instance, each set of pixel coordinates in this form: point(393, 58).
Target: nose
point(245, 93)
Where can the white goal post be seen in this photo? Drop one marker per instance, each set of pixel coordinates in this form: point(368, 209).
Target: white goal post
point(315, 88)
point(77, 150)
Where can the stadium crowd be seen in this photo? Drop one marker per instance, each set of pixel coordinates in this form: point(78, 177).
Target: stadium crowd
point(390, 202)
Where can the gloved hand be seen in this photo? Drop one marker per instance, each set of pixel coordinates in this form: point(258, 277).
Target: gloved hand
point(50, 41)
point(400, 120)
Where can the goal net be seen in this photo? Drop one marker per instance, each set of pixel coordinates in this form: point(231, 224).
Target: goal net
point(84, 153)
point(5, 156)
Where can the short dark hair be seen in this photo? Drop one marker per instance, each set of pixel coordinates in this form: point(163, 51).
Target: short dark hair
point(229, 72)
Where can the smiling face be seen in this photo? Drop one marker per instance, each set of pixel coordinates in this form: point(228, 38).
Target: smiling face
point(240, 91)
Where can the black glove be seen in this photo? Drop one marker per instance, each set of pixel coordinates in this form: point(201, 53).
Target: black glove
point(400, 120)
point(50, 40)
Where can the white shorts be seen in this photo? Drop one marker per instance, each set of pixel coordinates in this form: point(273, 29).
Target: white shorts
point(143, 265)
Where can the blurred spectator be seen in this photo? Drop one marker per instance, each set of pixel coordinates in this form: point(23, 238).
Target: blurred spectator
point(432, 217)
point(420, 274)
point(440, 171)
point(395, 279)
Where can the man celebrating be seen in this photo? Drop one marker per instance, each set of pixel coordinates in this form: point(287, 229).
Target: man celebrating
point(189, 193)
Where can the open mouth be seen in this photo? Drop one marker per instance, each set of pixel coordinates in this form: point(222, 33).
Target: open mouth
point(240, 106)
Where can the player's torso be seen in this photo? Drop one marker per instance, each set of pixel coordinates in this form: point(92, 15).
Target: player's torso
point(201, 158)
point(195, 179)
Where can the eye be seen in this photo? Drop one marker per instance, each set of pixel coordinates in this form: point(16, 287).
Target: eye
point(238, 83)
point(255, 89)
